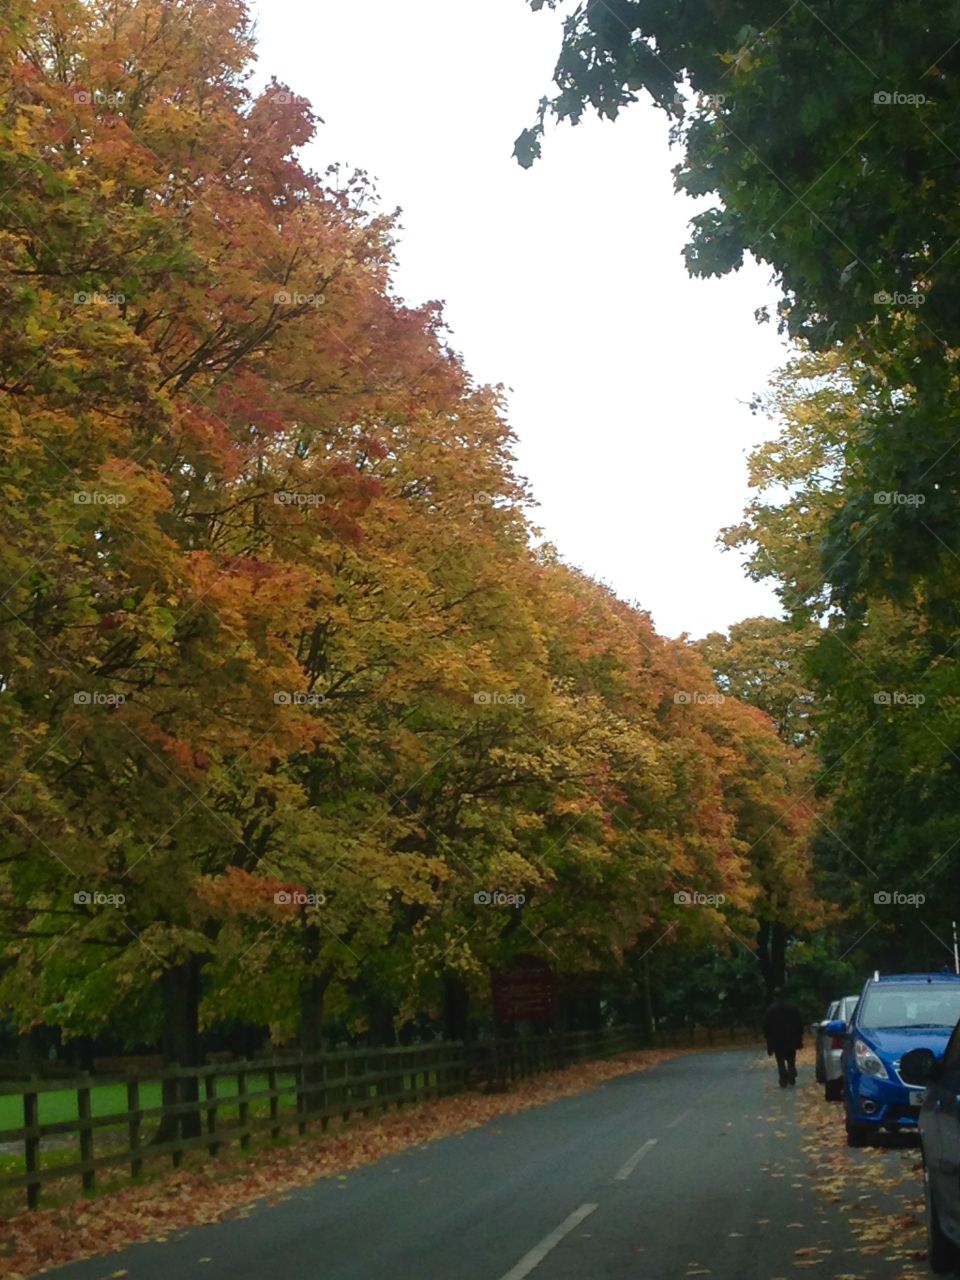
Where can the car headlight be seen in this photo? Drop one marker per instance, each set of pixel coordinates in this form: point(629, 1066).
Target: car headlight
point(868, 1062)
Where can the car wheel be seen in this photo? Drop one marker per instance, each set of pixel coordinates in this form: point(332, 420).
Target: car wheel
point(833, 1090)
point(942, 1254)
point(857, 1135)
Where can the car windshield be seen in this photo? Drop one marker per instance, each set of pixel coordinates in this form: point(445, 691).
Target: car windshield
point(936, 1005)
point(847, 1006)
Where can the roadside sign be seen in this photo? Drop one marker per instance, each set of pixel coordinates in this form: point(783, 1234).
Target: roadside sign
point(527, 991)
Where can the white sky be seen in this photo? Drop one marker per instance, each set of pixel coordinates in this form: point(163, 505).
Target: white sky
point(629, 380)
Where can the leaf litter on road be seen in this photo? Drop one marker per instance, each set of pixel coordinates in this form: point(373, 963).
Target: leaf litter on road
point(34, 1242)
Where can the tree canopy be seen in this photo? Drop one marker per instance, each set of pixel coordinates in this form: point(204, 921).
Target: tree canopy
point(821, 136)
point(298, 724)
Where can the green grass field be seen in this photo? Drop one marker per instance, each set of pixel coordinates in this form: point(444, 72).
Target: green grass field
point(111, 1099)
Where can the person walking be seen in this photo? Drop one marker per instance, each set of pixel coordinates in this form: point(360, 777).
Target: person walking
point(783, 1028)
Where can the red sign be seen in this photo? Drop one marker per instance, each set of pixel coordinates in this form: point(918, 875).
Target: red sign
point(526, 992)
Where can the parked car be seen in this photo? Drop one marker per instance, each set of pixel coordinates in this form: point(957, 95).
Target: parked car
point(829, 1068)
point(940, 1143)
point(895, 1013)
point(833, 1011)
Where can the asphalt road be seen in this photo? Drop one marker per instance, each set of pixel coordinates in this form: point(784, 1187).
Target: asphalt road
point(693, 1168)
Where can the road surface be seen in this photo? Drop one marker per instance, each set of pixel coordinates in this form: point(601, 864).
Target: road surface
point(692, 1168)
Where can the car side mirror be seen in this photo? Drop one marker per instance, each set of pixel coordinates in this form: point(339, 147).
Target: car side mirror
point(835, 1028)
point(919, 1066)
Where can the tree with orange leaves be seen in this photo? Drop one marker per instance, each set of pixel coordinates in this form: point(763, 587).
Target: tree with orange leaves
point(299, 724)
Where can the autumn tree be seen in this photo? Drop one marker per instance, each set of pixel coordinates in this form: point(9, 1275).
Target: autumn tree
point(286, 693)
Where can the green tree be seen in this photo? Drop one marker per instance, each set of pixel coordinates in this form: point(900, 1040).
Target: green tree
point(762, 661)
point(822, 135)
point(885, 678)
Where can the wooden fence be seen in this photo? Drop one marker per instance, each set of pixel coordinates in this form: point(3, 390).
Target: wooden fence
point(196, 1111)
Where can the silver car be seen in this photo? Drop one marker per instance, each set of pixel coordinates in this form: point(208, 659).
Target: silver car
point(830, 1048)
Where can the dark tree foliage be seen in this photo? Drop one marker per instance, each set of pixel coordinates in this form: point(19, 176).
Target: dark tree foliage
point(827, 135)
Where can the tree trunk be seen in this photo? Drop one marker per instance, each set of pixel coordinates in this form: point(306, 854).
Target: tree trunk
point(772, 954)
point(649, 1022)
point(29, 1052)
point(180, 1045)
point(380, 1021)
point(312, 991)
point(456, 1008)
point(778, 953)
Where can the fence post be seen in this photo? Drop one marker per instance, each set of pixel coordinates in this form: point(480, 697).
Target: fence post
point(345, 1092)
point(179, 1096)
point(274, 1103)
point(324, 1095)
point(88, 1175)
point(133, 1127)
point(31, 1147)
point(364, 1086)
point(243, 1109)
point(301, 1100)
point(210, 1093)
point(399, 1084)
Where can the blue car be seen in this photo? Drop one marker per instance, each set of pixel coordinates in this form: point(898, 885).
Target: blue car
point(896, 1013)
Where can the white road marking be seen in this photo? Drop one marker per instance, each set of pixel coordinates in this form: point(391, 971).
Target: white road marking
point(540, 1251)
point(634, 1160)
point(682, 1116)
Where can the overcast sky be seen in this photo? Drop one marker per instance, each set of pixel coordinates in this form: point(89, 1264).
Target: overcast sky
point(629, 380)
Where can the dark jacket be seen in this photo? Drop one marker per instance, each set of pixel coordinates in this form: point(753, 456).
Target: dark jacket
point(783, 1027)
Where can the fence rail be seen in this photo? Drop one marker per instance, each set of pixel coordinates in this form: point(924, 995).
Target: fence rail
point(195, 1110)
